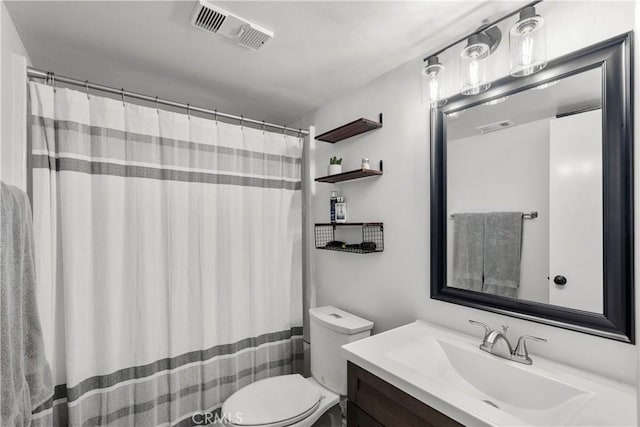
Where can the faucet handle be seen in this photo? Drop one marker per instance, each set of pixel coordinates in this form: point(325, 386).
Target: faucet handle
point(521, 349)
point(487, 330)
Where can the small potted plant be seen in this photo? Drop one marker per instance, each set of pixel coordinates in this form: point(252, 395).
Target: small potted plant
point(335, 165)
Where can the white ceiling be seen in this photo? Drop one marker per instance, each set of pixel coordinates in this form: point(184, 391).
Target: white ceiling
point(319, 51)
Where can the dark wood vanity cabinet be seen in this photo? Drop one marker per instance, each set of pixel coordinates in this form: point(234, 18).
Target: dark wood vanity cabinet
point(374, 402)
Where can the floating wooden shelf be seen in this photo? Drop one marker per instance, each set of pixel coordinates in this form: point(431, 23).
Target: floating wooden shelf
point(372, 237)
point(354, 128)
point(350, 175)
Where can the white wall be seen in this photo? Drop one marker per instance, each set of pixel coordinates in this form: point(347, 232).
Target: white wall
point(13, 107)
point(507, 170)
point(392, 288)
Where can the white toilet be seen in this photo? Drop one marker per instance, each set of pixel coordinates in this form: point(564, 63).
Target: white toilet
point(292, 400)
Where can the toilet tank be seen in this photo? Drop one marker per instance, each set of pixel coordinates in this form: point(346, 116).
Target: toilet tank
point(331, 328)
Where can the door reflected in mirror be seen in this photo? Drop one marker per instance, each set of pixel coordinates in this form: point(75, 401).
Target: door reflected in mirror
point(524, 185)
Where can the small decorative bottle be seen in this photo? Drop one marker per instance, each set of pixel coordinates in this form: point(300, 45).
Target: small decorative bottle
point(341, 210)
point(332, 202)
point(365, 164)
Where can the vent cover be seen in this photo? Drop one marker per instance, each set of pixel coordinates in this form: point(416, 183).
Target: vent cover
point(252, 38)
point(492, 127)
point(218, 21)
point(208, 18)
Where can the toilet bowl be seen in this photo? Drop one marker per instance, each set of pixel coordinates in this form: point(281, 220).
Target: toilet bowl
point(285, 400)
point(292, 400)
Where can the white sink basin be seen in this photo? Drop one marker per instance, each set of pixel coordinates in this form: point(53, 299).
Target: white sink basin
point(449, 372)
point(515, 389)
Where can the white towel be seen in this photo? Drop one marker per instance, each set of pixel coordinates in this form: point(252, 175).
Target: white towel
point(24, 372)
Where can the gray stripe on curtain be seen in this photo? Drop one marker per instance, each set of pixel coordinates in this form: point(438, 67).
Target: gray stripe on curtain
point(97, 131)
point(130, 171)
point(165, 401)
point(137, 372)
point(182, 391)
point(110, 144)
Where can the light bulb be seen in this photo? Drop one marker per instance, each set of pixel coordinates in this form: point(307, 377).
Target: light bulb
point(474, 77)
point(432, 87)
point(433, 90)
point(527, 51)
point(473, 67)
point(527, 44)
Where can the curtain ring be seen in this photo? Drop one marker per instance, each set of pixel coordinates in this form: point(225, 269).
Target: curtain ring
point(157, 106)
point(241, 121)
point(122, 95)
point(215, 116)
point(53, 81)
point(86, 84)
point(263, 126)
point(189, 111)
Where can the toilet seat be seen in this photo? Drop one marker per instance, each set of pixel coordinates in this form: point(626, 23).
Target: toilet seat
point(273, 402)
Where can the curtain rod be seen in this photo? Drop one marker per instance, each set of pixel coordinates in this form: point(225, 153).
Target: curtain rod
point(482, 28)
point(39, 74)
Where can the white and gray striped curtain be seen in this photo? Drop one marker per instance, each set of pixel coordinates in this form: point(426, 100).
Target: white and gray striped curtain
point(168, 256)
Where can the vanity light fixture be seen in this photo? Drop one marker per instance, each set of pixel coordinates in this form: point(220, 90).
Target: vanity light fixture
point(473, 60)
point(546, 85)
point(527, 44)
point(496, 101)
point(432, 82)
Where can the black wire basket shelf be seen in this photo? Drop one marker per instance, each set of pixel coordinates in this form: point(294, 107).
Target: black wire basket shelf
point(329, 237)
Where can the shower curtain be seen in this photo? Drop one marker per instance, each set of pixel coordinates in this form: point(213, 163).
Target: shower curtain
point(168, 253)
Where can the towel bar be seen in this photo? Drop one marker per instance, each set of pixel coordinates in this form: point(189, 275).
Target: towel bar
point(530, 215)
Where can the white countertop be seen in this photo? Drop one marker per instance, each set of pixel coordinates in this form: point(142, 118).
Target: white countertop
point(438, 367)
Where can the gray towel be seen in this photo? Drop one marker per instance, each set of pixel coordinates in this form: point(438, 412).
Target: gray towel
point(468, 242)
point(502, 249)
point(24, 371)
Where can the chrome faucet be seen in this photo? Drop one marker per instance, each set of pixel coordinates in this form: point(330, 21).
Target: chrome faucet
point(497, 343)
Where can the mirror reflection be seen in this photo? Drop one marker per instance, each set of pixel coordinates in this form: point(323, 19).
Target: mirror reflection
point(524, 195)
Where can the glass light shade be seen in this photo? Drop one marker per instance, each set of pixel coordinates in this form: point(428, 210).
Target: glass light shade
point(473, 69)
point(432, 92)
point(528, 44)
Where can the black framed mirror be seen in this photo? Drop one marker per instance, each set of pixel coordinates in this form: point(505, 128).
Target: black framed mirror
point(532, 194)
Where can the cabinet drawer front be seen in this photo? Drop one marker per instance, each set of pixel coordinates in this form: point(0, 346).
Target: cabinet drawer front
point(358, 418)
point(389, 405)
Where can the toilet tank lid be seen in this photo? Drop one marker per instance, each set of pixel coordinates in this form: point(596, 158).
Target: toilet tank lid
point(339, 320)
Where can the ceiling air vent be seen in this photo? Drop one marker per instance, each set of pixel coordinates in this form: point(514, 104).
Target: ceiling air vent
point(218, 21)
point(208, 18)
point(252, 37)
point(492, 127)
